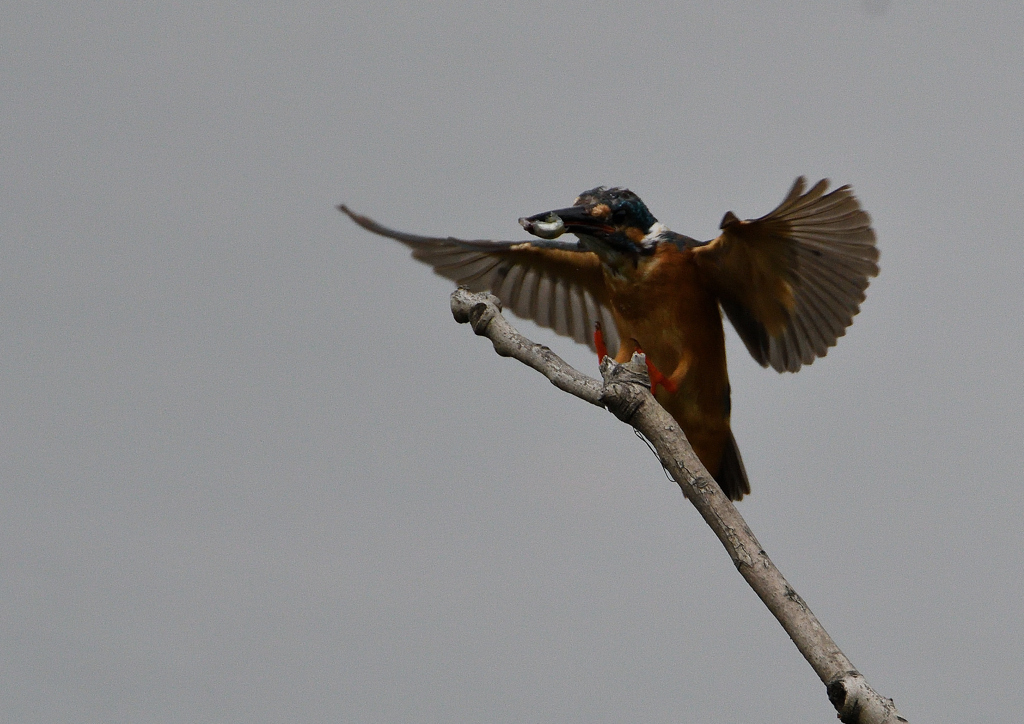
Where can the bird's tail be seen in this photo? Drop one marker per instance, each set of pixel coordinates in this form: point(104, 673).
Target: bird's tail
point(732, 476)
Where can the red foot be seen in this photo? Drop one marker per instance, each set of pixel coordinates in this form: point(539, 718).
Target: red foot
point(602, 348)
point(657, 378)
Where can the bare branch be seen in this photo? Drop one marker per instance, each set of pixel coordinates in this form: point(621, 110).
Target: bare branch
point(483, 312)
point(625, 392)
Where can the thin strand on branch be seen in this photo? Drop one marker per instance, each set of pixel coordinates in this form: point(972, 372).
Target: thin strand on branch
point(625, 391)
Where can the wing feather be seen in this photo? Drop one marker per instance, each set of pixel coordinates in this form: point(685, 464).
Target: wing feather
point(555, 283)
point(545, 301)
point(792, 281)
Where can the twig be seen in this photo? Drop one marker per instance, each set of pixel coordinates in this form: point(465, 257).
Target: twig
point(625, 392)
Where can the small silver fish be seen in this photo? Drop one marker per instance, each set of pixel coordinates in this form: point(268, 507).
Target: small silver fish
point(550, 228)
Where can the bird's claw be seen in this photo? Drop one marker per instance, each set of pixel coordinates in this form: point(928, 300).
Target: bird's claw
point(656, 375)
point(657, 378)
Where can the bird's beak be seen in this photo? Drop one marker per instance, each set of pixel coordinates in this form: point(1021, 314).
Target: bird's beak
point(574, 219)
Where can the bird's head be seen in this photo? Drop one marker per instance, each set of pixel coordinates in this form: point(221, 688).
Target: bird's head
point(613, 223)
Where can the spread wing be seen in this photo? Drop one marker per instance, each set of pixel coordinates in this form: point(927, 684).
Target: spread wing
point(792, 281)
point(555, 283)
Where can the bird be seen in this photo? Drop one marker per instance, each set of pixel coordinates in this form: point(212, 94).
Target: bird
point(790, 282)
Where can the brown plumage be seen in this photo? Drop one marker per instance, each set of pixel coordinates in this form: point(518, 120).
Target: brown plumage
point(790, 282)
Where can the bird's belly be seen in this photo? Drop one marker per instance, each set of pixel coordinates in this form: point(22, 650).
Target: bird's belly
point(679, 328)
point(686, 342)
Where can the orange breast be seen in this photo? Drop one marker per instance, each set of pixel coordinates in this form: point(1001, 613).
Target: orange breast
point(662, 307)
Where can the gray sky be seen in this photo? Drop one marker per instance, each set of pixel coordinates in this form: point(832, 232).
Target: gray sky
point(251, 471)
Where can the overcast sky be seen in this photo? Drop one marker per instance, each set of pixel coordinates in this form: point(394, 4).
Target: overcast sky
point(252, 471)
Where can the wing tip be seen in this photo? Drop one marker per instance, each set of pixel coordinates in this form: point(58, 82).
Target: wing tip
point(364, 221)
point(729, 219)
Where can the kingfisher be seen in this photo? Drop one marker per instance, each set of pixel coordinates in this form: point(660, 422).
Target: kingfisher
point(790, 282)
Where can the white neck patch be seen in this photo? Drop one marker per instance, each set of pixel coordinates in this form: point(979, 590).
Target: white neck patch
point(653, 235)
